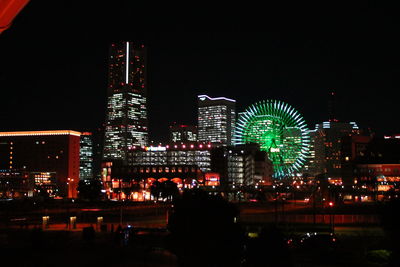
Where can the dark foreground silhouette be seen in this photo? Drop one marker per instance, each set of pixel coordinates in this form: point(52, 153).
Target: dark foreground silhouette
point(204, 232)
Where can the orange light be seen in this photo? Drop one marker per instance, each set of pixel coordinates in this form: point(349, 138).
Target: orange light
point(331, 204)
point(40, 133)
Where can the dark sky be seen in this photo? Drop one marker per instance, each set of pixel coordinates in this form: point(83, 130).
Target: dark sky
point(53, 61)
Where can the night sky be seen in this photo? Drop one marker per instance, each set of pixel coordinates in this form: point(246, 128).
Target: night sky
point(53, 62)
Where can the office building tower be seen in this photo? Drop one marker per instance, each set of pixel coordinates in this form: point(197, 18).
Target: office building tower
point(50, 159)
point(86, 156)
point(216, 119)
point(126, 122)
point(183, 133)
point(327, 145)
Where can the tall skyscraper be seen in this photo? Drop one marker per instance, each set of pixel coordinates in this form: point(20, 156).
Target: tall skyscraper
point(126, 122)
point(327, 146)
point(216, 119)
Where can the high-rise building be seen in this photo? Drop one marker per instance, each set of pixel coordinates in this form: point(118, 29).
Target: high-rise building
point(183, 133)
point(50, 158)
point(326, 143)
point(86, 157)
point(216, 119)
point(126, 122)
point(327, 146)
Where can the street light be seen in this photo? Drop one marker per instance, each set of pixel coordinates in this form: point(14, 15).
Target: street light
point(332, 216)
point(69, 194)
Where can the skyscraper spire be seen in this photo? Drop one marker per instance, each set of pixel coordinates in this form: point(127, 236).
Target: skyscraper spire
point(332, 106)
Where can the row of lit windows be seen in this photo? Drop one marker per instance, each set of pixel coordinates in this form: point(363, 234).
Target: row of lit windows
point(162, 169)
point(365, 170)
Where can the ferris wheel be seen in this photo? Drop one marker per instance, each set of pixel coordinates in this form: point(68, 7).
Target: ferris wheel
point(279, 130)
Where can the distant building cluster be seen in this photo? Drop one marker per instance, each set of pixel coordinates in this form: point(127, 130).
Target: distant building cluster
point(264, 146)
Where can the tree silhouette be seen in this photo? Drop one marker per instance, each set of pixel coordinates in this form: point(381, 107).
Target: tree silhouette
point(203, 230)
point(42, 191)
point(390, 220)
point(90, 190)
point(169, 190)
point(155, 189)
point(269, 249)
point(166, 189)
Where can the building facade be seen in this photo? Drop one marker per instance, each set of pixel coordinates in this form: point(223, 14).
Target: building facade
point(126, 121)
point(216, 119)
point(184, 164)
point(198, 154)
point(15, 184)
point(49, 158)
point(242, 165)
point(373, 163)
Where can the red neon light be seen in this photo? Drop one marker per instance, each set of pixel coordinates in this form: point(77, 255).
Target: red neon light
point(91, 209)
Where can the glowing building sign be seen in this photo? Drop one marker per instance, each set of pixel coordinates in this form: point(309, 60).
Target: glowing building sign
point(156, 148)
point(211, 179)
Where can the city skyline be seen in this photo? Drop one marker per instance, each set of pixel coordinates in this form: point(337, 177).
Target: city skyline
point(62, 78)
point(135, 133)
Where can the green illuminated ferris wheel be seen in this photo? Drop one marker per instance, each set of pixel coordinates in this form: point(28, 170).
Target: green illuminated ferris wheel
point(279, 130)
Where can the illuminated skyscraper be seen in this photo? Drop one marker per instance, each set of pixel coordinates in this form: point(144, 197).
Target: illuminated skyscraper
point(216, 119)
point(126, 123)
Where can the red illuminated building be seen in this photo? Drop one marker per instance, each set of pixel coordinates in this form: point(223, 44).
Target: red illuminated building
point(371, 163)
point(50, 157)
